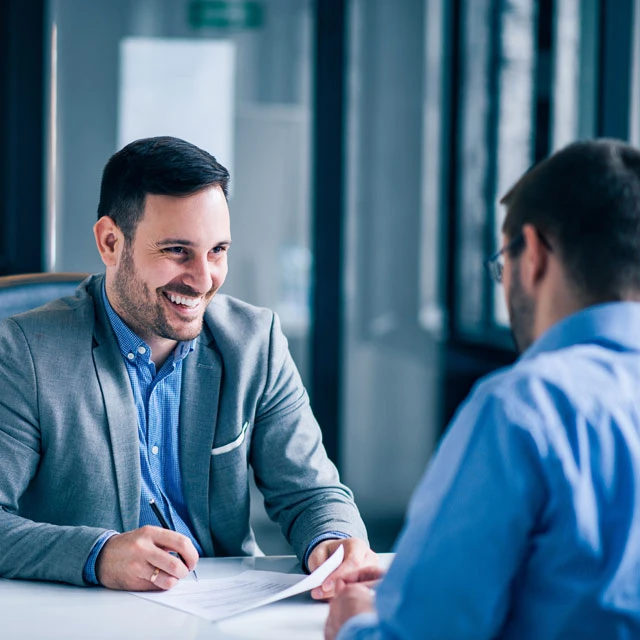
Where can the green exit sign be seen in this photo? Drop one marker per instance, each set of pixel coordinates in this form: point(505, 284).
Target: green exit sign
point(226, 15)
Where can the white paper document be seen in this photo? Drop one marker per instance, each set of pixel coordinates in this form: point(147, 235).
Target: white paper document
point(215, 599)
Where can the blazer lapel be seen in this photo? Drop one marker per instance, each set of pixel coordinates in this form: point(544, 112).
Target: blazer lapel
point(201, 378)
point(121, 415)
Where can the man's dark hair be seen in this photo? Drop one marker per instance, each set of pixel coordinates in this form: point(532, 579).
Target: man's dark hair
point(159, 166)
point(585, 200)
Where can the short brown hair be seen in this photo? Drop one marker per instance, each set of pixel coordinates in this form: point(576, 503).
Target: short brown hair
point(586, 200)
point(160, 166)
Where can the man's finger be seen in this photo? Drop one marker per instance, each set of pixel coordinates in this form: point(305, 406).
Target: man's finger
point(357, 554)
point(174, 541)
point(342, 584)
point(370, 573)
point(167, 562)
point(349, 571)
point(160, 580)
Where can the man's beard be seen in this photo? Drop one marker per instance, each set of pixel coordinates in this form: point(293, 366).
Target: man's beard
point(521, 311)
point(143, 310)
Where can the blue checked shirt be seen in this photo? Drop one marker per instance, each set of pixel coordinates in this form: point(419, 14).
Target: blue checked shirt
point(157, 399)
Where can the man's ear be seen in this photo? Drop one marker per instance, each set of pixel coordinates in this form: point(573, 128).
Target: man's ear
point(109, 240)
point(534, 261)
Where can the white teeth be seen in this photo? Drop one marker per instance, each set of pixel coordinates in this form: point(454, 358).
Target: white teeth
point(187, 302)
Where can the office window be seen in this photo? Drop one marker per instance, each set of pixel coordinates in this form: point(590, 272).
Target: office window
point(529, 85)
point(574, 66)
point(497, 133)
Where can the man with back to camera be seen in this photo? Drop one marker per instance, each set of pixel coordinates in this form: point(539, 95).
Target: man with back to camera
point(143, 387)
point(526, 522)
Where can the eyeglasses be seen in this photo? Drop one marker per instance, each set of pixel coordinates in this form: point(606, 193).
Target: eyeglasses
point(495, 264)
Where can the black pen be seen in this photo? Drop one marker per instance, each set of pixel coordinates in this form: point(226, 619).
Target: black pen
point(165, 525)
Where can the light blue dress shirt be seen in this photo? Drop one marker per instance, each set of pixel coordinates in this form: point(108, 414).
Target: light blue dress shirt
point(526, 523)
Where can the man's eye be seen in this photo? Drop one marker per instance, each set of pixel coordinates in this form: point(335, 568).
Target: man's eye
point(175, 250)
point(219, 249)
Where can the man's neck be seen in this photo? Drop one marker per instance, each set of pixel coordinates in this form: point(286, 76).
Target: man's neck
point(558, 301)
point(161, 350)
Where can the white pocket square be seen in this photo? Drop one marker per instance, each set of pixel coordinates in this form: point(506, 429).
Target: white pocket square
point(216, 451)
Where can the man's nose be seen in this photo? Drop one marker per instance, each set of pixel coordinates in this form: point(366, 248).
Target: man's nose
point(200, 274)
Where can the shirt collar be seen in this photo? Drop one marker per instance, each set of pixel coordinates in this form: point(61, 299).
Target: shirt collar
point(132, 346)
point(613, 323)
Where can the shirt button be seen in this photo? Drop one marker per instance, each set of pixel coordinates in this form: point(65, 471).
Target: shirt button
point(142, 350)
point(130, 355)
point(154, 450)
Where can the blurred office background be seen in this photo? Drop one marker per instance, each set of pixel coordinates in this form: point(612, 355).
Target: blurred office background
point(369, 142)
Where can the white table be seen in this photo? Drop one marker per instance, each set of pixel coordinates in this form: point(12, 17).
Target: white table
point(49, 611)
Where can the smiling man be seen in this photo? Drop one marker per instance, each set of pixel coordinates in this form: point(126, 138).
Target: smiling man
point(526, 522)
point(146, 388)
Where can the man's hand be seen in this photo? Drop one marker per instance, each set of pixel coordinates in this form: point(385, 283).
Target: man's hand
point(368, 576)
point(349, 601)
point(141, 560)
point(357, 554)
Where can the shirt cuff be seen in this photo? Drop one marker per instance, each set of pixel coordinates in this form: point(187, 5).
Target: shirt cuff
point(364, 626)
point(328, 535)
point(89, 571)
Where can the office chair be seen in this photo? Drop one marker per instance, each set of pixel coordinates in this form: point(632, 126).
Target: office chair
point(28, 291)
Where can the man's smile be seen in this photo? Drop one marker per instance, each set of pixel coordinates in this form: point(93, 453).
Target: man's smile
point(183, 304)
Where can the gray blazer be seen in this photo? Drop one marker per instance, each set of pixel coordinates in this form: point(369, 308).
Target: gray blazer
point(69, 460)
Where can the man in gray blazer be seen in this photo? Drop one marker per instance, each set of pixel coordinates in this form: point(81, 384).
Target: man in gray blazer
point(144, 392)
